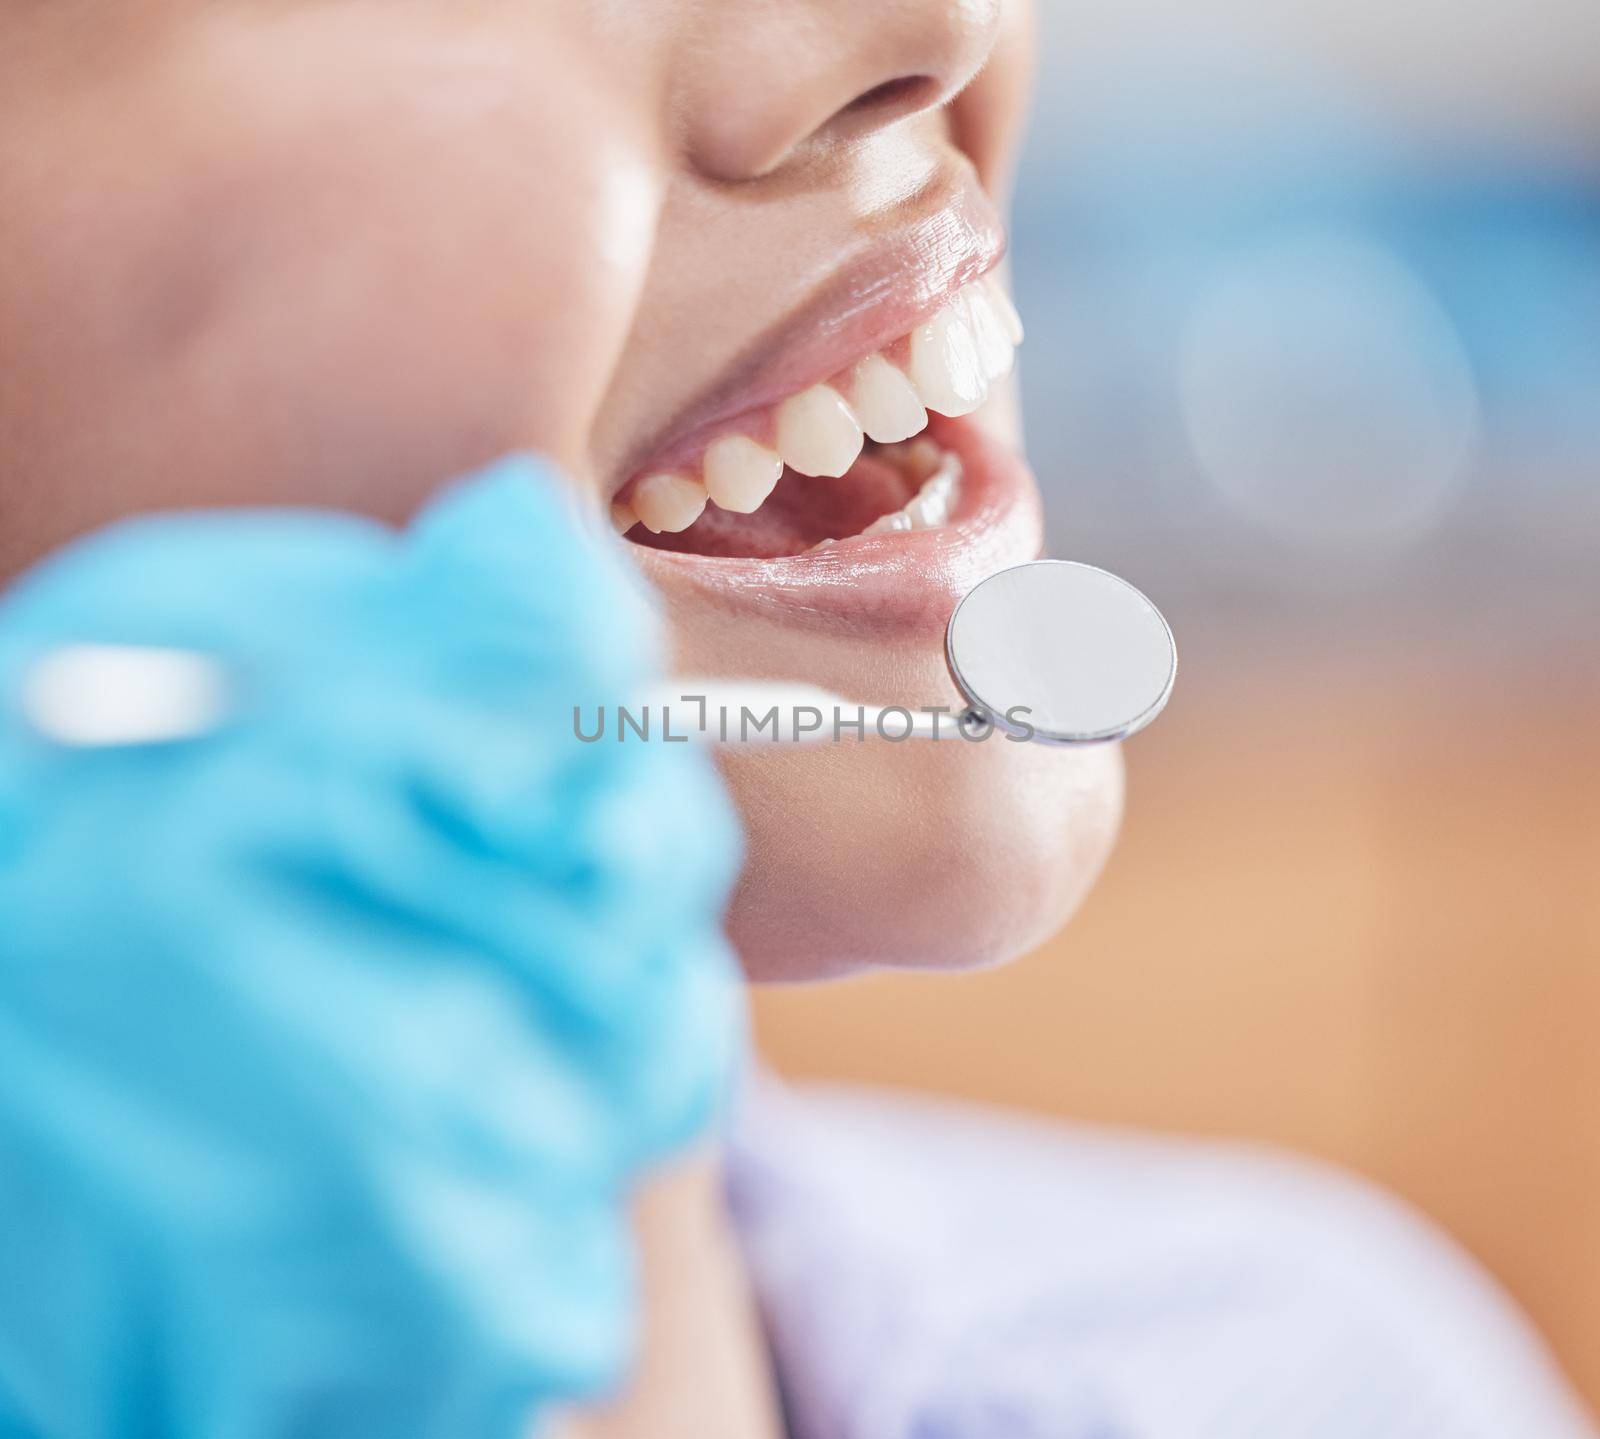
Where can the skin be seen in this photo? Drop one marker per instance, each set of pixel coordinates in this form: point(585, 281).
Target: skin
point(336, 251)
point(335, 280)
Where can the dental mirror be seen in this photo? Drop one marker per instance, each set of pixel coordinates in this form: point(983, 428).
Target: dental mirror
point(1071, 651)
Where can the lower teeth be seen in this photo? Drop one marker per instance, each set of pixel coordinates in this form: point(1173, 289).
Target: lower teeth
point(938, 473)
point(934, 500)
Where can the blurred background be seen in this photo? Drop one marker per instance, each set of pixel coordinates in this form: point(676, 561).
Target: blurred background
point(1313, 297)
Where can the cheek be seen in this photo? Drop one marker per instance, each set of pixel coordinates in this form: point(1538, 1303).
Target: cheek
point(420, 322)
point(466, 247)
point(314, 261)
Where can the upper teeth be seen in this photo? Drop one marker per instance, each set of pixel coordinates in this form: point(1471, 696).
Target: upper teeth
point(818, 433)
point(738, 473)
point(953, 358)
point(887, 403)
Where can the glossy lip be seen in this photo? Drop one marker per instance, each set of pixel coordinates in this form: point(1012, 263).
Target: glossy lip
point(949, 237)
point(879, 586)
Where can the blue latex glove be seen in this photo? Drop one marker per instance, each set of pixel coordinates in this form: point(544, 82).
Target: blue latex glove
point(329, 1042)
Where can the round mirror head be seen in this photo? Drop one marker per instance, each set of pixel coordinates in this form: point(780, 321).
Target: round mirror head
point(1070, 650)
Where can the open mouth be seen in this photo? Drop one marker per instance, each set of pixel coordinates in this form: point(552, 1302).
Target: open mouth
point(850, 456)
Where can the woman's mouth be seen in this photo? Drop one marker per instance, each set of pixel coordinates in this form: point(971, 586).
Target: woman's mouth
point(844, 471)
point(859, 454)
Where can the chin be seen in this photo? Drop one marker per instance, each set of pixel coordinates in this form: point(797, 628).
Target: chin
point(867, 854)
point(947, 856)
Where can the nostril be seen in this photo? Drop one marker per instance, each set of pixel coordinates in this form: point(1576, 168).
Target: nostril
point(887, 102)
point(906, 92)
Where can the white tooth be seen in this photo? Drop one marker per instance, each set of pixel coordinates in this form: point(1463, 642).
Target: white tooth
point(739, 474)
point(891, 523)
point(817, 432)
point(931, 505)
point(885, 401)
point(933, 502)
point(1010, 320)
point(623, 518)
point(995, 351)
point(944, 364)
point(668, 503)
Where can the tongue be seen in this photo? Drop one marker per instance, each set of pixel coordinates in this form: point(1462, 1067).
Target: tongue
point(800, 512)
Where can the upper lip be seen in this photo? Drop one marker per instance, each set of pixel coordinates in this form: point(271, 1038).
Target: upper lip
point(947, 235)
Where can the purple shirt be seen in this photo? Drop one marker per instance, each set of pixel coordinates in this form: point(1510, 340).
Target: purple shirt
point(930, 1271)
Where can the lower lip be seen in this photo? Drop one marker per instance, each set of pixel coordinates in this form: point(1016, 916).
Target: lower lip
point(894, 585)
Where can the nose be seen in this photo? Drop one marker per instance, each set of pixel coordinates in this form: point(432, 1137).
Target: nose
point(765, 81)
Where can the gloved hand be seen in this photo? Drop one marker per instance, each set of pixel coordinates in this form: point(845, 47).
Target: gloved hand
point(331, 1040)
